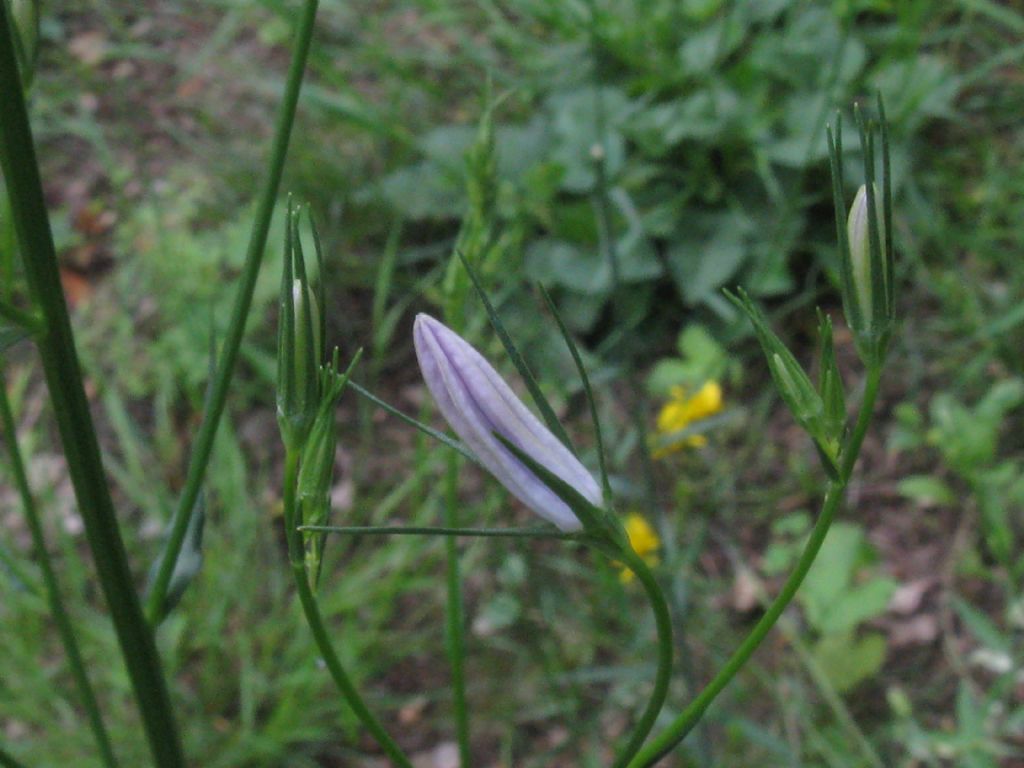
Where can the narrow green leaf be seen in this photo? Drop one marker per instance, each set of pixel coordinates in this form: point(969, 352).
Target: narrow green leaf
point(890, 254)
point(320, 273)
point(430, 431)
point(605, 484)
point(547, 412)
point(851, 308)
point(188, 562)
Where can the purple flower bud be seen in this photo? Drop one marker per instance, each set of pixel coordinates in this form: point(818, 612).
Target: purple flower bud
point(478, 404)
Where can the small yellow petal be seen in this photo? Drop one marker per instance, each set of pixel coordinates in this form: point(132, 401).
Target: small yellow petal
point(642, 536)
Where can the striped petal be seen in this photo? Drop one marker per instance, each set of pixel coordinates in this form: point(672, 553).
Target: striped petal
point(477, 403)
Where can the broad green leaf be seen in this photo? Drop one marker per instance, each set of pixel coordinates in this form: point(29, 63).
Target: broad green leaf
point(833, 570)
point(558, 262)
point(857, 604)
point(917, 88)
point(576, 117)
point(848, 660)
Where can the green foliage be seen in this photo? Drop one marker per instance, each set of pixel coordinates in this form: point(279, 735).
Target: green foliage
point(708, 120)
point(967, 438)
point(177, 287)
point(714, 153)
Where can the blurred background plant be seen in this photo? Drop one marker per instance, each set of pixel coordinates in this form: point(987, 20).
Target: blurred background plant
point(710, 116)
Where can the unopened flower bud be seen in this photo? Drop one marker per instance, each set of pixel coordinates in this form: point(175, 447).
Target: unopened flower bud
point(299, 353)
point(859, 234)
point(478, 405)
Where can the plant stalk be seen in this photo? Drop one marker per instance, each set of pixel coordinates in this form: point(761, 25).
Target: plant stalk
point(455, 636)
point(668, 739)
point(296, 559)
point(203, 447)
point(71, 410)
point(663, 621)
point(57, 609)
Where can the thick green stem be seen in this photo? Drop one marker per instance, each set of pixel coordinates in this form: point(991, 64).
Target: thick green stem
point(667, 740)
point(455, 636)
point(240, 312)
point(71, 410)
point(296, 559)
point(60, 614)
point(663, 621)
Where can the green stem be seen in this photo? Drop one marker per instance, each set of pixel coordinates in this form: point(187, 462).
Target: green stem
point(667, 740)
point(240, 312)
point(60, 615)
point(296, 559)
point(432, 530)
point(455, 636)
point(71, 411)
point(663, 620)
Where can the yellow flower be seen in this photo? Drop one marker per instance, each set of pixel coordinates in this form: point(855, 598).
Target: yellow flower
point(682, 410)
point(644, 540)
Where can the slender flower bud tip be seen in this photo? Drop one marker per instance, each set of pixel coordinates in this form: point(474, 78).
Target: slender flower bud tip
point(477, 404)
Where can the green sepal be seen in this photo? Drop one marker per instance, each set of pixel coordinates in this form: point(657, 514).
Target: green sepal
point(830, 382)
point(793, 384)
point(316, 470)
point(602, 528)
point(790, 379)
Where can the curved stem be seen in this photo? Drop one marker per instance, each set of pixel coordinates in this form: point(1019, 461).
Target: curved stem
point(57, 610)
point(341, 679)
point(667, 740)
point(63, 375)
point(239, 314)
point(663, 621)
